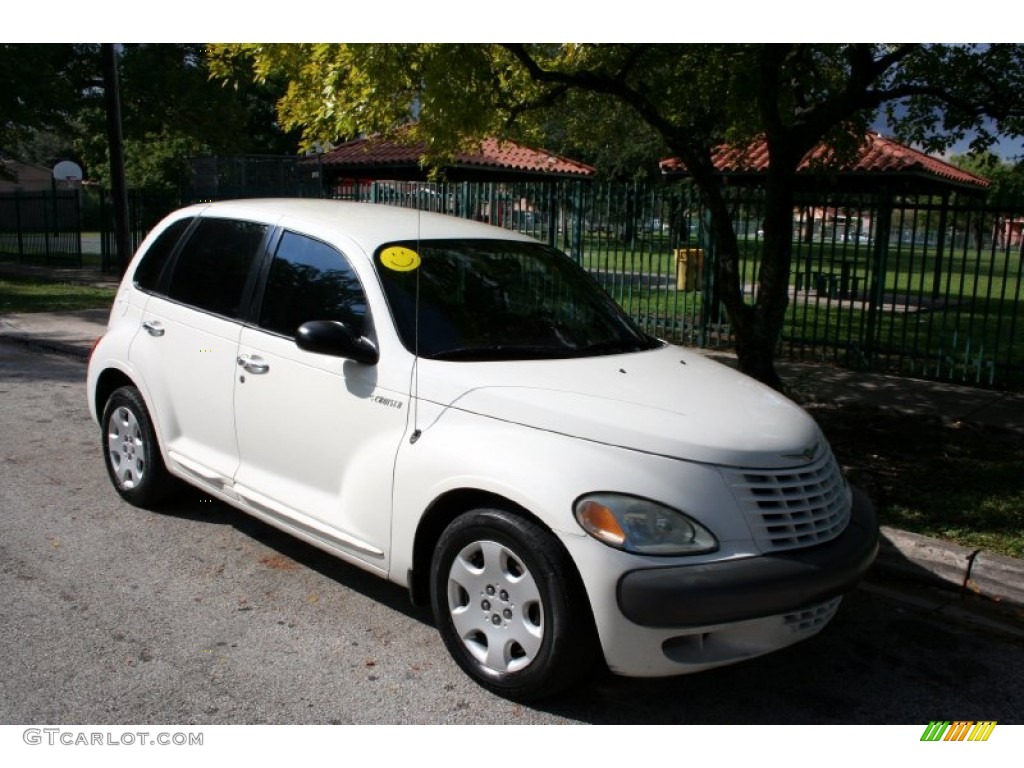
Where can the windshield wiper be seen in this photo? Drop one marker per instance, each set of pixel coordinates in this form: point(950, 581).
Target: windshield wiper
point(501, 352)
point(615, 346)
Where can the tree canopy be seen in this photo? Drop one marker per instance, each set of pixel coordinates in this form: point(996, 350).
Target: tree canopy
point(1007, 178)
point(51, 107)
point(39, 88)
point(690, 98)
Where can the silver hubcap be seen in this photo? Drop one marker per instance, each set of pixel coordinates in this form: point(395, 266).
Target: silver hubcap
point(495, 606)
point(126, 448)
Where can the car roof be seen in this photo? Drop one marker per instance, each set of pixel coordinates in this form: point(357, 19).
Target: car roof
point(367, 224)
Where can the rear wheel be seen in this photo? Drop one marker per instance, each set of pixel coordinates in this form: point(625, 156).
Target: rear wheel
point(131, 452)
point(509, 606)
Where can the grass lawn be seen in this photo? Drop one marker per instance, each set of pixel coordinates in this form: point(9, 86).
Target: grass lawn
point(26, 294)
point(958, 316)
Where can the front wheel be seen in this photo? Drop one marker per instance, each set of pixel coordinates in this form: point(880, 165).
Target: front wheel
point(509, 606)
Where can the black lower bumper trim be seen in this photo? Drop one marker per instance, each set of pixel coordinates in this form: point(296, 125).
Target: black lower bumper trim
point(751, 588)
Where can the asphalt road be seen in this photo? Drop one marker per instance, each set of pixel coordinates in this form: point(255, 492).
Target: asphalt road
point(201, 615)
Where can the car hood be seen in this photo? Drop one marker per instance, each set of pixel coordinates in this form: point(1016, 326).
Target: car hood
point(666, 401)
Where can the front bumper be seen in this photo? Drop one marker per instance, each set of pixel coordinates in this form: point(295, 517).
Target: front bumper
point(751, 588)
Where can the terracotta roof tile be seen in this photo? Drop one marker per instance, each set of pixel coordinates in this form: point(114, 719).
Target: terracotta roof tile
point(877, 155)
point(503, 155)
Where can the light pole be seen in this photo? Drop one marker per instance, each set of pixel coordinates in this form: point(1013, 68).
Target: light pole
point(115, 140)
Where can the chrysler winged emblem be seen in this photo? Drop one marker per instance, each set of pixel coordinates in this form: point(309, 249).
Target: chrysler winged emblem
point(807, 454)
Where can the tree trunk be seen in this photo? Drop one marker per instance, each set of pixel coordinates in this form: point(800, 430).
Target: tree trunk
point(757, 326)
point(773, 279)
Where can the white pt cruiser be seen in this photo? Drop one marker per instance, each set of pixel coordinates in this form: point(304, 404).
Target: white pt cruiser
point(463, 411)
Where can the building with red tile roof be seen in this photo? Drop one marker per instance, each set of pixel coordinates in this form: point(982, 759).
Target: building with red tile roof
point(879, 162)
point(379, 158)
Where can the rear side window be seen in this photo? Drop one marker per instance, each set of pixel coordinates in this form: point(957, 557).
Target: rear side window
point(310, 280)
point(147, 275)
point(214, 265)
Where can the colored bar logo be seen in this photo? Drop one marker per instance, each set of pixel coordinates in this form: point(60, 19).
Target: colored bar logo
point(958, 730)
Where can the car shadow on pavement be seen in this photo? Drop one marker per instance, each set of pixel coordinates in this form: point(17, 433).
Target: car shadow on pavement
point(904, 648)
point(18, 363)
point(898, 652)
point(192, 504)
point(882, 660)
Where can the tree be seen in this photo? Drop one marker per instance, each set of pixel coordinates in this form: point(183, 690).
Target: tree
point(174, 111)
point(40, 88)
point(1007, 178)
point(693, 97)
point(606, 135)
point(51, 107)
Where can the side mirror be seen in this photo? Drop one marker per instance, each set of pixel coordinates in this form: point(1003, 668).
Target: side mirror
point(334, 338)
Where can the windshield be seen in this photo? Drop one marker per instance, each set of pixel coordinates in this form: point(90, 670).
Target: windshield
point(500, 300)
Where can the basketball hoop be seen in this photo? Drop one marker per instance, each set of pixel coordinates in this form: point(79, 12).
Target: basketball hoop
point(66, 170)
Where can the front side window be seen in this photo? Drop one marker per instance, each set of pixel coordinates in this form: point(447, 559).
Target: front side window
point(310, 280)
point(214, 265)
point(499, 300)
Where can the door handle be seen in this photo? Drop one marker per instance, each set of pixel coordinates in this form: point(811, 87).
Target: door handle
point(153, 327)
point(254, 364)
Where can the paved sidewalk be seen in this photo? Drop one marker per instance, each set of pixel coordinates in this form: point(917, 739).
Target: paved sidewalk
point(974, 582)
point(951, 402)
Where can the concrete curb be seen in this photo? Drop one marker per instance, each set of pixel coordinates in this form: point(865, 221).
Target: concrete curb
point(67, 349)
point(909, 555)
point(65, 333)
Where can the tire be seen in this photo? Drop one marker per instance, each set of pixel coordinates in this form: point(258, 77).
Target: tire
point(131, 452)
point(510, 607)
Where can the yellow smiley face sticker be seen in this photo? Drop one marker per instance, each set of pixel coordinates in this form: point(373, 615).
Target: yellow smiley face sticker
point(399, 258)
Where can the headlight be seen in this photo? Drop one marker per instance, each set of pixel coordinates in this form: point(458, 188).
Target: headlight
point(638, 525)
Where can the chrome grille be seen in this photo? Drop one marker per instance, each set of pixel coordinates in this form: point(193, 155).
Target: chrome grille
point(793, 508)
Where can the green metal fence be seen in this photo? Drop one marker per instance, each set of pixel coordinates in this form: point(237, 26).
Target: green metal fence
point(145, 210)
point(42, 227)
point(922, 285)
point(929, 286)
